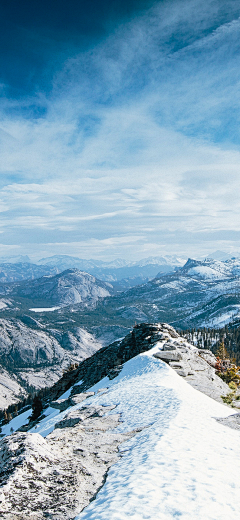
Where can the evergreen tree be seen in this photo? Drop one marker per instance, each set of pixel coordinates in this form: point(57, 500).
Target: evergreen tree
point(222, 351)
point(37, 407)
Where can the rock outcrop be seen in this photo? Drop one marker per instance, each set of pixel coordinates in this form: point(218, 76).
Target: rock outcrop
point(31, 356)
point(196, 365)
point(56, 477)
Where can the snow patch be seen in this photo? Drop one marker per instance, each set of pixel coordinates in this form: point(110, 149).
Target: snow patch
point(205, 272)
point(45, 309)
point(16, 422)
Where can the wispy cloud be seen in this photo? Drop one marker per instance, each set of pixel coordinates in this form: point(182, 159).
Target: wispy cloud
point(139, 138)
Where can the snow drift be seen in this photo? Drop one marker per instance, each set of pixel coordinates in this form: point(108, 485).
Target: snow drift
point(179, 462)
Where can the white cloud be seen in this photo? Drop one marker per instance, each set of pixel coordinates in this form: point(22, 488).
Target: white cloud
point(139, 140)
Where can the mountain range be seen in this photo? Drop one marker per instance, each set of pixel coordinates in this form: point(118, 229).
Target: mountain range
point(123, 274)
point(70, 287)
point(199, 294)
point(43, 322)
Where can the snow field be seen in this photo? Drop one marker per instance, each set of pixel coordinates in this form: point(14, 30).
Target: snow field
point(184, 465)
point(16, 422)
point(45, 309)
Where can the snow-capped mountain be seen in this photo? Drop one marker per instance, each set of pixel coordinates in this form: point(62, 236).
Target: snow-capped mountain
point(65, 261)
point(69, 262)
point(132, 272)
point(135, 439)
point(124, 274)
point(170, 260)
point(222, 255)
point(212, 269)
point(198, 294)
point(15, 259)
point(69, 287)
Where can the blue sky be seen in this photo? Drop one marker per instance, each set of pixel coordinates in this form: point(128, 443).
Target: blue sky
point(119, 131)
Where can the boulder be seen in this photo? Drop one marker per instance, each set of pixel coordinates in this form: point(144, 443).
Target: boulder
point(169, 346)
point(168, 355)
point(182, 372)
point(236, 404)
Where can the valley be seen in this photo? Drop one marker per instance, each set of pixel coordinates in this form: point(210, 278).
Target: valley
point(50, 322)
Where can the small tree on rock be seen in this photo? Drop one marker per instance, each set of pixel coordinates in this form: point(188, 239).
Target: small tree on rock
point(222, 352)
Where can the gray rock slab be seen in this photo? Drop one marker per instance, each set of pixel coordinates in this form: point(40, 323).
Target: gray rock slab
point(232, 421)
point(169, 346)
point(56, 477)
point(168, 355)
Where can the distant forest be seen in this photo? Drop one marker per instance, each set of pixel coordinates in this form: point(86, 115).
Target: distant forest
point(211, 339)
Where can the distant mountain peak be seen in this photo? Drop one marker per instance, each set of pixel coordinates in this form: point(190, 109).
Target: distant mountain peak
point(191, 262)
point(222, 255)
point(15, 259)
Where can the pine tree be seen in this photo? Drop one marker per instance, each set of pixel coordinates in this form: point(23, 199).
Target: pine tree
point(222, 351)
point(37, 407)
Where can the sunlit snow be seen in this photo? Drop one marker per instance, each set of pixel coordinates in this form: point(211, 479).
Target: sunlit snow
point(182, 464)
point(16, 422)
point(45, 309)
point(206, 272)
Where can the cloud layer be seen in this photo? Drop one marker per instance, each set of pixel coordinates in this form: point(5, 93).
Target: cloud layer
point(136, 149)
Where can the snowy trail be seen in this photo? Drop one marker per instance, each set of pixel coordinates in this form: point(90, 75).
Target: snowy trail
point(184, 465)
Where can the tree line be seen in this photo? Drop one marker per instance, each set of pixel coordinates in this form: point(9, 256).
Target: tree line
point(210, 338)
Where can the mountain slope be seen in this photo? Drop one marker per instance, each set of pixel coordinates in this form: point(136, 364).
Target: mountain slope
point(198, 294)
point(35, 357)
point(15, 272)
point(69, 287)
point(175, 458)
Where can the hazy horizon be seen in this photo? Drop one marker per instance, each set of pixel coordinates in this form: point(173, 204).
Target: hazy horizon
point(215, 255)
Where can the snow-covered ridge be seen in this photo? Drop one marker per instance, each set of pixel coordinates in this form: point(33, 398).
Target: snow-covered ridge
point(174, 454)
point(211, 269)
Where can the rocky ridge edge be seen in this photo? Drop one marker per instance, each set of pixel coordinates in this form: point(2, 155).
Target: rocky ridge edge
point(58, 476)
point(195, 365)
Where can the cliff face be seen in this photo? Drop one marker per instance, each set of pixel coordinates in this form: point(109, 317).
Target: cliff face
point(31, 356)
